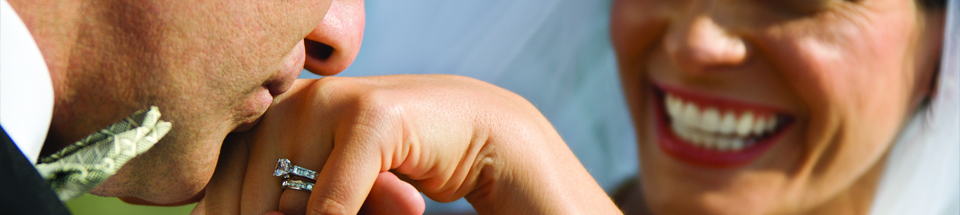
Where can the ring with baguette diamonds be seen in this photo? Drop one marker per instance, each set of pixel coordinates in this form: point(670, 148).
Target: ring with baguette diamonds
point(294, 184)
point(285, 169)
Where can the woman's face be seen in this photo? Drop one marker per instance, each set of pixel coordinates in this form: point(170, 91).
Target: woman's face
point(757, 107)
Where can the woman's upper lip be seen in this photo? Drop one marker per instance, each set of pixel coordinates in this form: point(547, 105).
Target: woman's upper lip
point(694, 148)
point(720, 101)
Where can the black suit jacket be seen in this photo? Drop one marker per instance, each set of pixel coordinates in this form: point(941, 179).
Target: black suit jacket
point(22, 190)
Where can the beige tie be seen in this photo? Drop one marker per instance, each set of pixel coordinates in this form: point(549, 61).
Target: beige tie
point(82, 166)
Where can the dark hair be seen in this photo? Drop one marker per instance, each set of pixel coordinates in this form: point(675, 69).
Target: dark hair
point(933, 4)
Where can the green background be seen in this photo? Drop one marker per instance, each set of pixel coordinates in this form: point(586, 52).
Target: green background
point(91, 204)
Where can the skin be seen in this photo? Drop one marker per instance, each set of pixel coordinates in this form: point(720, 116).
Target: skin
point(389, 194)
point(850, 72)
point(452, 137)
point(212, 67)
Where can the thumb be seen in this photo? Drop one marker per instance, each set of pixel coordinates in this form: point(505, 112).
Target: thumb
point(390, 195)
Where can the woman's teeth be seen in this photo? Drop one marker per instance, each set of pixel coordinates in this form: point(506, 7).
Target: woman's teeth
point(711, 128)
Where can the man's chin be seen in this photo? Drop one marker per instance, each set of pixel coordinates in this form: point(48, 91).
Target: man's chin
point(138, 201)
point(105, 191)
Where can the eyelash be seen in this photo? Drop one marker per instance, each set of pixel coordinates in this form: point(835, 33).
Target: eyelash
point(801, 7)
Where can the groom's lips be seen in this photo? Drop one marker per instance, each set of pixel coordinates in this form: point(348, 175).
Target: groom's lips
point(263, 96)
point(247, 125)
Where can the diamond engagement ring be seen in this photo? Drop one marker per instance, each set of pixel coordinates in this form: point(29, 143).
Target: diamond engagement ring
point(285, 169)
point(297, 185)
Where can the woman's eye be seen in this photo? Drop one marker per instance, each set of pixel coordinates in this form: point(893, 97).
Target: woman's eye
point(801, 7)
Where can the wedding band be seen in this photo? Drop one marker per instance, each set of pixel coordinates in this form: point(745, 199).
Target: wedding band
point(284, 169)
point(293, 184)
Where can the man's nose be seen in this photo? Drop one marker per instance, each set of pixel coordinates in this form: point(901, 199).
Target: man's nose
point(699, 44)
point(334, 44)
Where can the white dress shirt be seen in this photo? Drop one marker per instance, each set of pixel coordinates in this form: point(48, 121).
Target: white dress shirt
point(26, 91)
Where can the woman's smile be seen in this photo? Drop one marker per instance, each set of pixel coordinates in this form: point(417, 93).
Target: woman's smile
point(749, 107)
point(715, 132)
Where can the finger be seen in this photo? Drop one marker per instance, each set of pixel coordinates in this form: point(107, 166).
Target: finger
point(390, 195)
point(223, 191)
point(301, 139)
point(294, 202)
point(261, 190)
point(200, 208)
point(348, 175)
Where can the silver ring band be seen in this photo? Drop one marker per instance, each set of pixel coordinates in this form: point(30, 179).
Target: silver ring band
point(285, 169)
point(293, 184)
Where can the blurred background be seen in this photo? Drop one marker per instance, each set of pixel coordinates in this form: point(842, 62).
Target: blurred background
point(91, 204)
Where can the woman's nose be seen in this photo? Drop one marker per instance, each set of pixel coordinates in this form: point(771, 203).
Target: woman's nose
point(334, 44)
point(699, 44)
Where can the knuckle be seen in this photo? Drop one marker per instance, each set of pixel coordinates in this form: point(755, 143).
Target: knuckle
point(326, 83)
point(324, 91)
point(377, 107)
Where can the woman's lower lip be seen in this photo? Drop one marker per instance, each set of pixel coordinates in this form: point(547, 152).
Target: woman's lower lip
point(681, 150)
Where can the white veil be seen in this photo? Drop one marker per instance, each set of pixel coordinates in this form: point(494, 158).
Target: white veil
point(923, 169)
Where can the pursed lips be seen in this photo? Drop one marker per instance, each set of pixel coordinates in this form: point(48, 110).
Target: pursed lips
point(277, 84)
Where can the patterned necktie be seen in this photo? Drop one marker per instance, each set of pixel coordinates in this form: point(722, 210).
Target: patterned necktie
point(82, 166)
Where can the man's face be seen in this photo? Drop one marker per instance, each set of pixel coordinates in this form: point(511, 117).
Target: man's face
point(212, 67)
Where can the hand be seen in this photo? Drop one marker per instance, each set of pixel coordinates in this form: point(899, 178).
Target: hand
point(454, 137)
point(223, 193)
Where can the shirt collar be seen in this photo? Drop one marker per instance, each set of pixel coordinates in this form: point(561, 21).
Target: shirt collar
point(26, 90)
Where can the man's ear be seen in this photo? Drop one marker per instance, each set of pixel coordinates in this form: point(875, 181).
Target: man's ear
point(334, 44)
